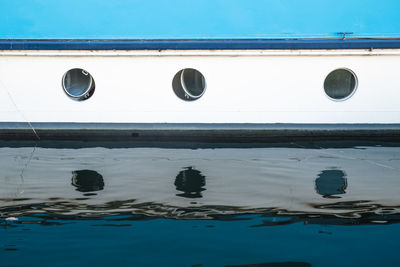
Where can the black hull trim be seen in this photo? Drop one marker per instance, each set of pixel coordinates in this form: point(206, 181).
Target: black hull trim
point(226, 133)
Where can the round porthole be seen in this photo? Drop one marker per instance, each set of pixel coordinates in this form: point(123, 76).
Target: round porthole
point(340, 84)
point(189, 84)
point(78, 84)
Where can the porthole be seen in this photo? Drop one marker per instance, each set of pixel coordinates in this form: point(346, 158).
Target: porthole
point(189, 84)
point(340, 84)
point(78, 84)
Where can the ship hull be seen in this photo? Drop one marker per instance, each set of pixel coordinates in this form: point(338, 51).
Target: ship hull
point(242, 87)
point(253, 93)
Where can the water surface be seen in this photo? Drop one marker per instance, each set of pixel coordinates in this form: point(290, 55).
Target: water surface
point(292, 204)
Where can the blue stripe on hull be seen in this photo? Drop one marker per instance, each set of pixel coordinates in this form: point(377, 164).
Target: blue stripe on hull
point(204, 19)
point(187, 44)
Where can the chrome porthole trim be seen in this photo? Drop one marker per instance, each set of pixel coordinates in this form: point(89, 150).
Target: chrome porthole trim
point(78, 84)
point(334, 83)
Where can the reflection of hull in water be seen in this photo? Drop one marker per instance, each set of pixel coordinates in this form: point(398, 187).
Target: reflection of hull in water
point(346, 182)
point(131, 211)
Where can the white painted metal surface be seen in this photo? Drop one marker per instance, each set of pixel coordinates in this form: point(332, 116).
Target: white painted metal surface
point(242, 86)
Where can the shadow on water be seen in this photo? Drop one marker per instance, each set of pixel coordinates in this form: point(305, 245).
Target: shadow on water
point(191, 182)
point(87, 181)
point(331, 183)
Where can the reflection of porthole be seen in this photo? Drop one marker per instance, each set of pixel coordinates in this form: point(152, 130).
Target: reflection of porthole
point(87, 181)
point(78, 84)
point(331, 183)
point(191, 182)
point(189, 84)
point(340, 84)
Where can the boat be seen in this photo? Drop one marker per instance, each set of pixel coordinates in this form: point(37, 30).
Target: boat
point(227, 70)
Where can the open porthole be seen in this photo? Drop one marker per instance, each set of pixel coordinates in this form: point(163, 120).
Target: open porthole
point(189, 84)
point(340, 84)
point(78, 84)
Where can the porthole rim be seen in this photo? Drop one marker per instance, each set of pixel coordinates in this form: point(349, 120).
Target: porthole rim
point(192, 98)
point(350, 95)
point(184, 87)
point(78, 97)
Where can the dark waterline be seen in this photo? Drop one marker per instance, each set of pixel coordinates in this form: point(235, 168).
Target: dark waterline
point(319, 204)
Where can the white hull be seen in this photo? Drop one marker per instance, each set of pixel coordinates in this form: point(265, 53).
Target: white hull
point(283, 86)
